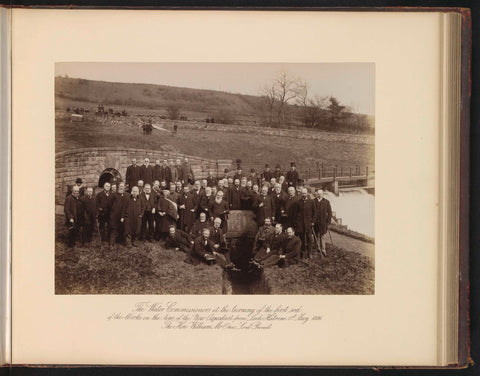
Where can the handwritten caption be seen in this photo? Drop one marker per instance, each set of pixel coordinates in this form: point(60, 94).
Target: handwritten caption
point(171, 315)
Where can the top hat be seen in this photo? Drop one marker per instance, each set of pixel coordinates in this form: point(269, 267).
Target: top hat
point(277, 166)
point(79, 181)
point(252, 170)
point(292, 164)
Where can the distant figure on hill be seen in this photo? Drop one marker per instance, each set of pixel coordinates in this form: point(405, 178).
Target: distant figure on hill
point(175, 129)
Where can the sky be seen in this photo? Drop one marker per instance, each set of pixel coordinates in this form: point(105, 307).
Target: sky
point(353, 84)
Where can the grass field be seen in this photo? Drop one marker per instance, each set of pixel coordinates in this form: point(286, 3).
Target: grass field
point(253, 150)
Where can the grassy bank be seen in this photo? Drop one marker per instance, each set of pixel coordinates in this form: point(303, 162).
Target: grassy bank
point(340, 273)
point(148, 269)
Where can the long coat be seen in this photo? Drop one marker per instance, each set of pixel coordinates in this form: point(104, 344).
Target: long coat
point(246, 199)
point(132, 176)
point(324, 215)
point(292, 178)
point(133, 214)
point(146, 174)
point(187, 217)
point(149, 203)
point(267, 176)
point(305, 215)
point(279, 200)
point(103, 203)
point(290, 203)
point(157, 172)
point(174, 174)
point(117, 208)
point(265, 211)
point(74, 209)
point(197, 199)
point(90, 207)
point(291, 250)
point(234, 198)
point(170, 218)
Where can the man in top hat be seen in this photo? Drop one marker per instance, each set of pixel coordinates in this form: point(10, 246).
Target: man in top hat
point(277, 173)
point(235, 195)
point(79, 184)
point(267, 174)
point(292, 176)
point(239, 174)
point(166, 173)
point(211, 181)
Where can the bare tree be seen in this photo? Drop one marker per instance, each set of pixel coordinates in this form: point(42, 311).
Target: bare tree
point(335, 109)
point(269, 95)
point(287, 90)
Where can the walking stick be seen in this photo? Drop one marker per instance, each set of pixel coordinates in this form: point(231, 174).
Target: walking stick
point(331, 240)
point(98, 229)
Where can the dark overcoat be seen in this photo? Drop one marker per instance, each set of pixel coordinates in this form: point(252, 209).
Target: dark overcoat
point(146, 174)
point(171, 215)
point(117, 208)
point(73, 209)
point(324, 215)
point(90, 207)
point(132, 176)
point(279, 200)
point(133, 214)
point(187, 217)
point(264, 211)
point(305, 215)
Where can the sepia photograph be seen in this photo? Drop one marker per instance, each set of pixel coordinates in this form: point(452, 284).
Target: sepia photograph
point(214, 178)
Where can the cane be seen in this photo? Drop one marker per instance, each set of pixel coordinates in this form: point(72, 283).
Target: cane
point(98, 229)
point(331, 240)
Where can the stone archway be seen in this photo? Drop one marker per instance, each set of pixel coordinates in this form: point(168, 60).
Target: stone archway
point(109, 175)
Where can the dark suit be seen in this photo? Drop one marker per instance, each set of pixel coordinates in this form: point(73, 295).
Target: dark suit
point(279, 200)
point(289, 218)
point(180, 240)
point(146, 174)
point(74, 210)
point(187, 215)
point(148, 217)
point(133, 214)
point(274, 243)
point(292, 178)
point(305, 216)
point(221, 211)
point(202, 247)
point(170, 217)
point(103, 215)
point(234, 198)
point(90, 207)
point(324, 216)
point(117, 207)
point(132, 176)
point(263, 211)
point(291, 250)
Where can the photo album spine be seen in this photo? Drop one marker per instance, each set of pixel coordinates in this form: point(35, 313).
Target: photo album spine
point(5, 174)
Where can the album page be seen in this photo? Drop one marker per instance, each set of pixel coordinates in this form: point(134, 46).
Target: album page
point(225, 187)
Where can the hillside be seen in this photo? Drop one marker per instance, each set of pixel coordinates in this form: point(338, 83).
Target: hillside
point(198, 105)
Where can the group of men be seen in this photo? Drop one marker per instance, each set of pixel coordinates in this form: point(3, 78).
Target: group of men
point(164, 201)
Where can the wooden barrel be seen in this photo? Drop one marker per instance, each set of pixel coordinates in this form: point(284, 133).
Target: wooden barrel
point(241, 224)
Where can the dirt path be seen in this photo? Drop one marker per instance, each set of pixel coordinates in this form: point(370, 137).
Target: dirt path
point(350, 244)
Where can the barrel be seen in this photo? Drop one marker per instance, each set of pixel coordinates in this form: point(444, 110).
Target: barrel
point(241, 224)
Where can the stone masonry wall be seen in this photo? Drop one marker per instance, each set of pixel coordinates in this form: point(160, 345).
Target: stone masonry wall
point(89, 164)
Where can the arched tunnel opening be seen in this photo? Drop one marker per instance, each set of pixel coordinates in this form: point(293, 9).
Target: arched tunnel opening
point(109, 175)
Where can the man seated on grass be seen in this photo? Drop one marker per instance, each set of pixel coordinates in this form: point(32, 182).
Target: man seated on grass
point(199, 225)
point(219, 239)
point(204, 249)
point(179, 240)
point(262, 234)
point(271, 252)
point(291, 248)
